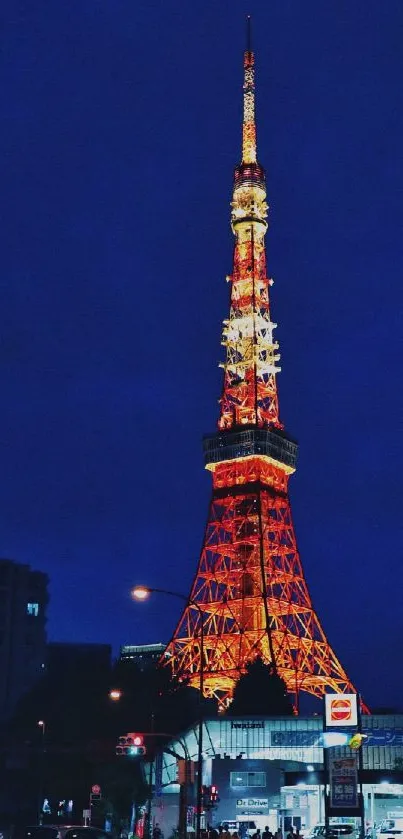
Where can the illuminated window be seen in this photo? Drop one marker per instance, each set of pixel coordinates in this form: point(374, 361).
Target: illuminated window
point(33, 609)
point(248, 779)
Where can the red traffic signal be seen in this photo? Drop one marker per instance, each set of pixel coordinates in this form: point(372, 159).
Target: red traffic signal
point(209, 797)
point(130, 745)
point(214, 795)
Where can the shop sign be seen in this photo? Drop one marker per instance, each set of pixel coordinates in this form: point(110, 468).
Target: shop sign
point(252, 803)
point(295, 738)
point(343, 783)
point(299, 739)
point(384, 736)
point(246, 726)
point(341, 709)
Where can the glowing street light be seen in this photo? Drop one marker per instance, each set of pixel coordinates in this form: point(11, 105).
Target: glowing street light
point(140, 593)
point(115, 694)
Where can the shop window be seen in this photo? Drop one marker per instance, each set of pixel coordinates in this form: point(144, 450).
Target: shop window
point(248, 779)
point(239, 779)
point(256, 779)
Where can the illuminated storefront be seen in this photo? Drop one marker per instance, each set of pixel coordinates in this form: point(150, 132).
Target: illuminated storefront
point(270, 771)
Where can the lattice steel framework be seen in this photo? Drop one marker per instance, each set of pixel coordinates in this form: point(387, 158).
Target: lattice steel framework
point(249, 589)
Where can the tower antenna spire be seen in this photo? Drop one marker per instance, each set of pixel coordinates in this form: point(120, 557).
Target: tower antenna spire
point(248, 33)
point(249, 125)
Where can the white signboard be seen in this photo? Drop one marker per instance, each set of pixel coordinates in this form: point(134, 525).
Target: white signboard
point(341, 709)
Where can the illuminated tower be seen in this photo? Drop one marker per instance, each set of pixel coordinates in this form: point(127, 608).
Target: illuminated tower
point(249, 590)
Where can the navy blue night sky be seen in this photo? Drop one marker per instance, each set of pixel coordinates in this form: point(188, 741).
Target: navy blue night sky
point(120, 129)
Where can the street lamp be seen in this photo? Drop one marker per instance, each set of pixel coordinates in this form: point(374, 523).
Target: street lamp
point(115, 694)
point(141, 593)
point(42, 725)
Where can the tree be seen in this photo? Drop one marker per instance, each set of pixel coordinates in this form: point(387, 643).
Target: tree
point(260, 692)
point(123, 784)
point(155, 700)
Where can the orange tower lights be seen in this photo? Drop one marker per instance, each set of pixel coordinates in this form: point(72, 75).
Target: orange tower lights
point(249, 585)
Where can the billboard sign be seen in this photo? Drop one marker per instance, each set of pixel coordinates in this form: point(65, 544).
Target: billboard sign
point(341, 709)
point(343, 779)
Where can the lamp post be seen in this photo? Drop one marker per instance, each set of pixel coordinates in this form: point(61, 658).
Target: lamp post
point(42, 726)
point(142, 593)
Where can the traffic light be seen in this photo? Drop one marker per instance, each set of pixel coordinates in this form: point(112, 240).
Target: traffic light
point(214, 798)
point(210, 797)
point(130, 745)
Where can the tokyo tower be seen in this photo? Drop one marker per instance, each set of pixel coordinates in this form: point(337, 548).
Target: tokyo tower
point(249, 592)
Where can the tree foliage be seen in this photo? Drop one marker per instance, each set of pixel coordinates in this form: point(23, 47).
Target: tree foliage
point(82, 726)
point(260, 692)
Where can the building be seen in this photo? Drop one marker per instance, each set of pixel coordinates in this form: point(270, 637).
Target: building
point(67, 660)
point(271, 771)
point(23, 603)
point(144, 656)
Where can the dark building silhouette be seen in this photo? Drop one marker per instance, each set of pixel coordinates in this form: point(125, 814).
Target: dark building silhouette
point(23, 603)
point(70, 661)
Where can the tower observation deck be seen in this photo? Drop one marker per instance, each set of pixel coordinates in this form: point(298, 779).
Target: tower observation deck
point(249, 592)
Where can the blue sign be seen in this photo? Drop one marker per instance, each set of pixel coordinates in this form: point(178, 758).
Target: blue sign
point(383, 736)
point(376, 737)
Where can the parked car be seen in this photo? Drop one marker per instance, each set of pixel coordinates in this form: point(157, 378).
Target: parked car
point(336, 830)
point(390, 827)
point(315, 830)
point(243, 826)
